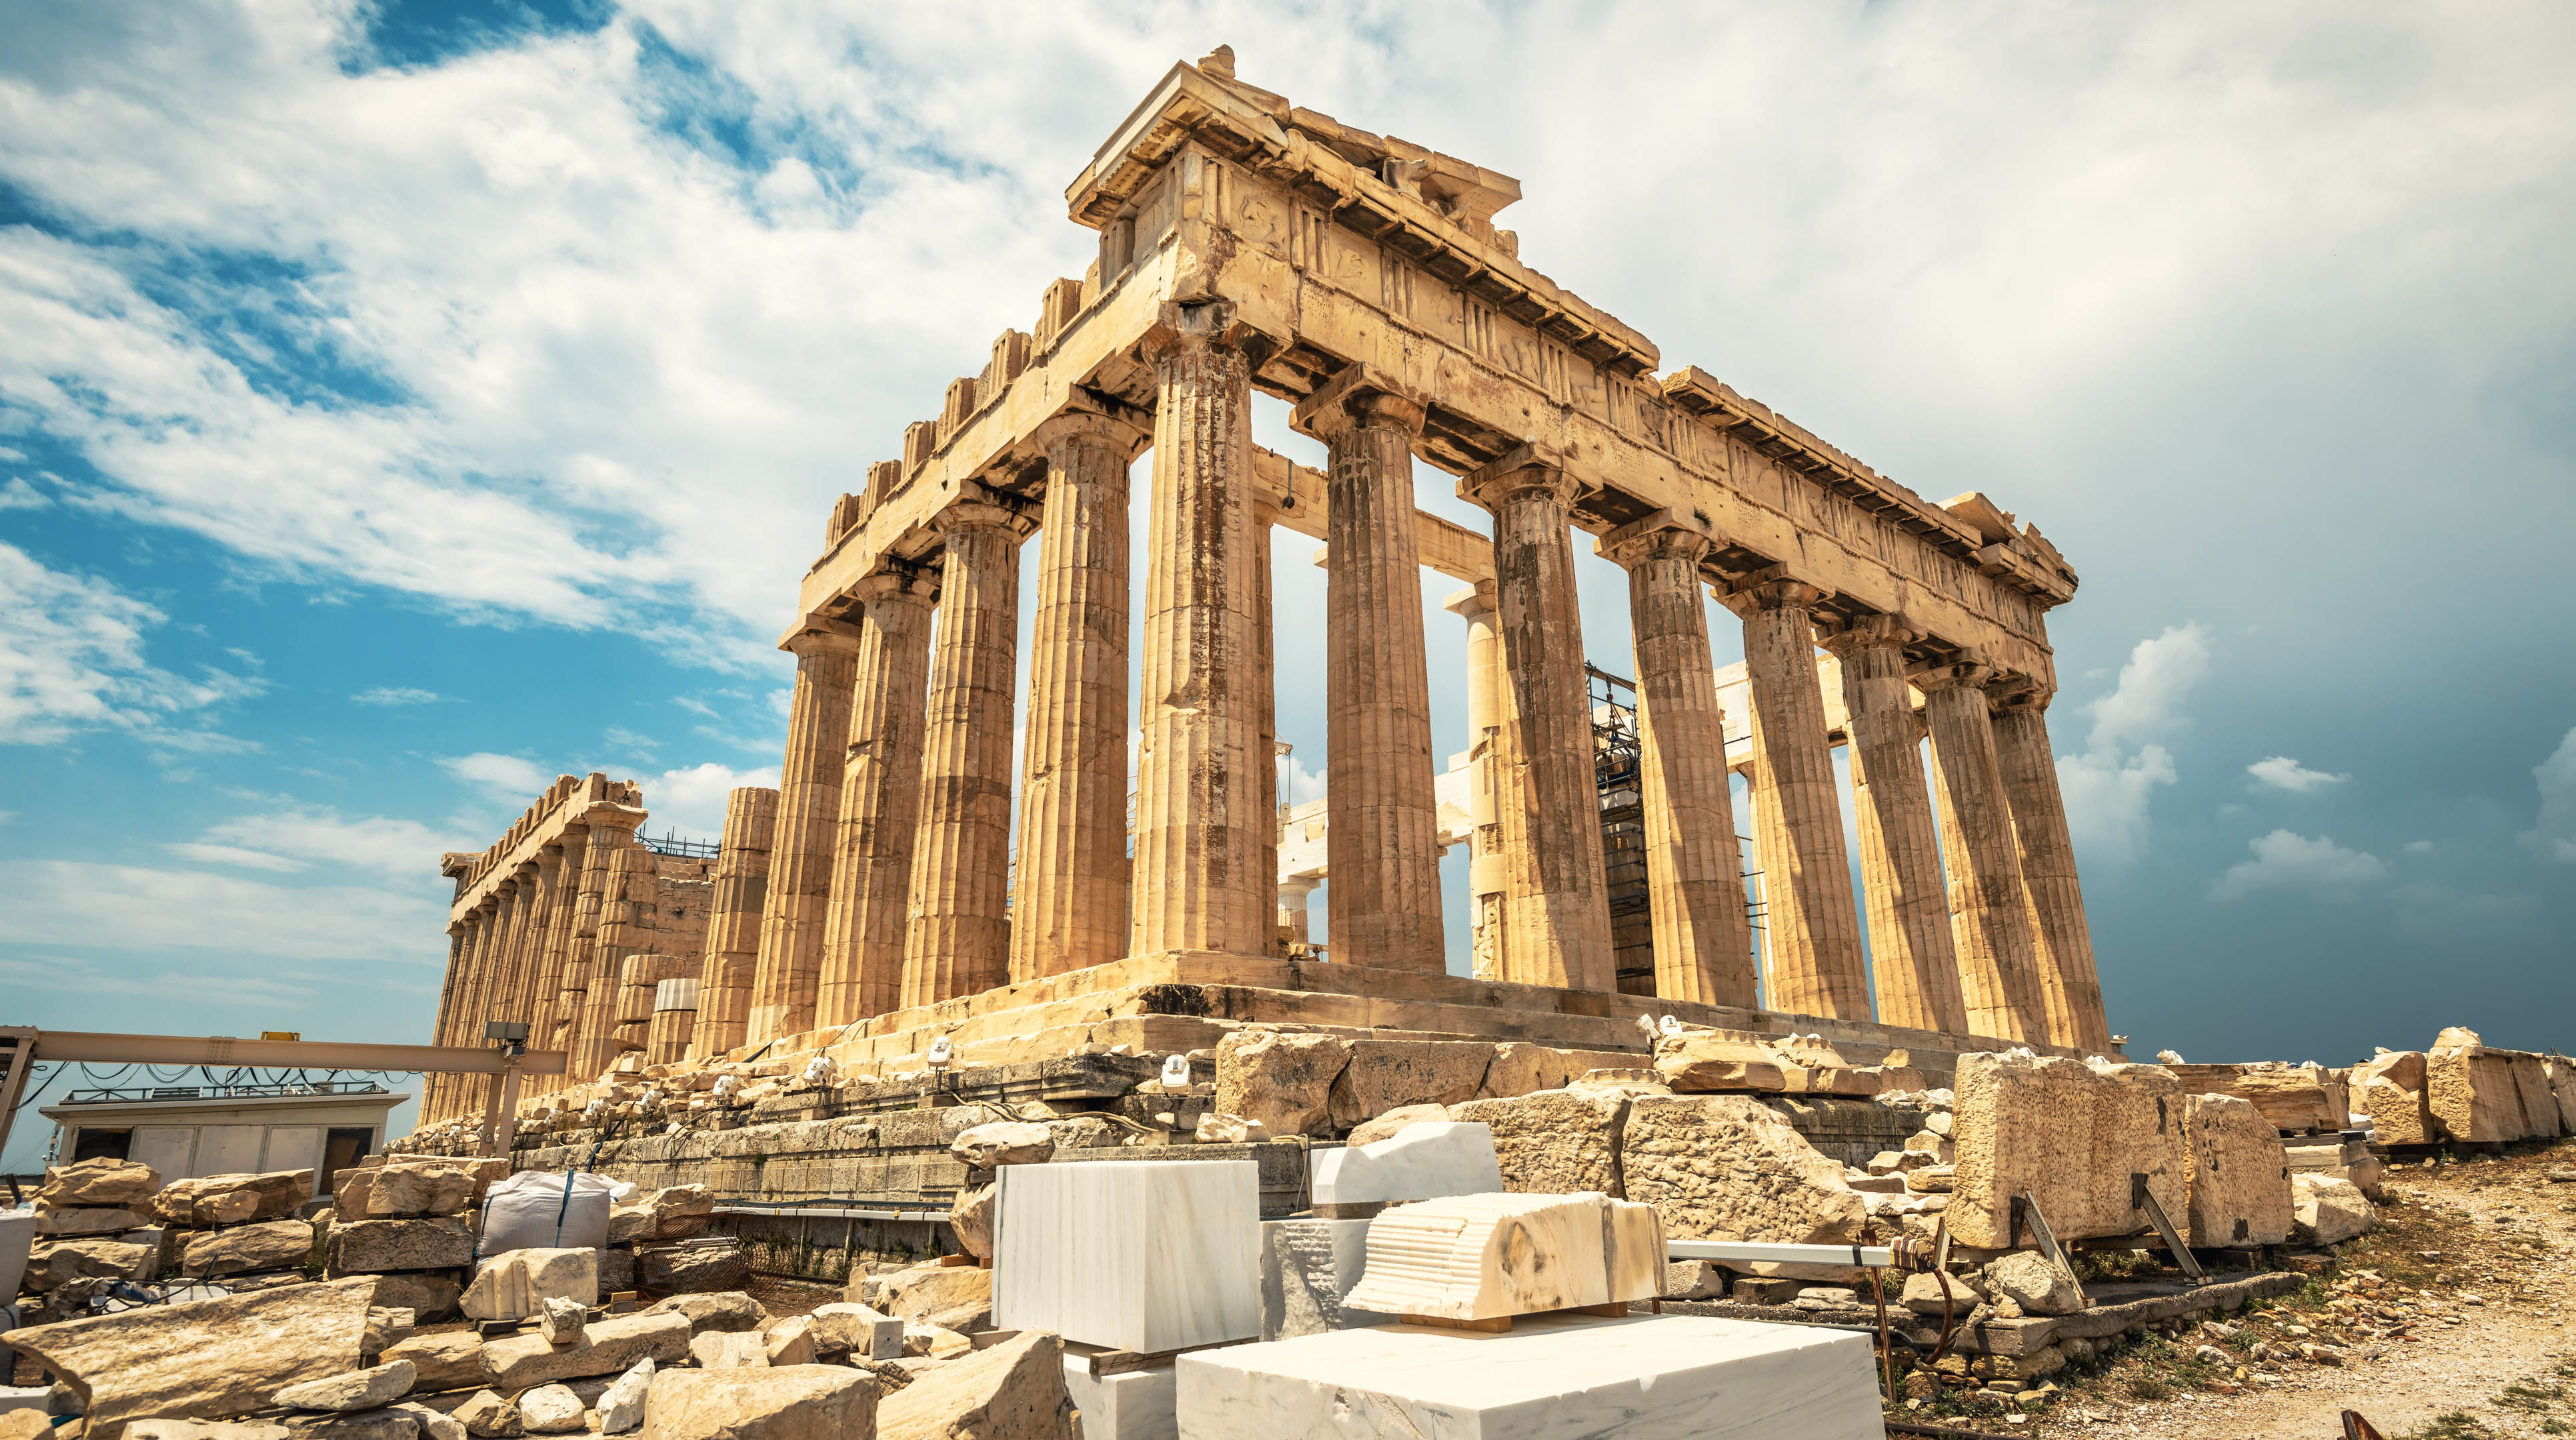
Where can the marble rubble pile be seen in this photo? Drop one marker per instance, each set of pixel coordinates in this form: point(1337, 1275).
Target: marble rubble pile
point(102, 1221)
point(412, 1223)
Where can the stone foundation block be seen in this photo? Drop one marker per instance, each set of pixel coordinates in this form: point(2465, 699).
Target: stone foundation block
point(2239, 1186)
point(2076, 1139)
point(1555, 1142)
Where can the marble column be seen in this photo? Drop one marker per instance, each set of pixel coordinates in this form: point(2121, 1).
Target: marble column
point(1383, 844)
point(2073, 989)
point(558, 874)
point(629, 866)
point(1694, 869)
point(733, 922)
point(1488, 869)
point(1560, 897)
point(1202, 824)
point(1811, 924)
point(789, 973)
point(880, 801)
point(492, 997)
point(1265, 712)
point(1989, 912)
point(1295, 911)
point(1912, 957)
point(1070, 909)
point(607, 835)
point(959, 942)
point(433, 1086)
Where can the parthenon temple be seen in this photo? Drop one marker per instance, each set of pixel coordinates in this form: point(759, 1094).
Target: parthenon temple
point(879, 899)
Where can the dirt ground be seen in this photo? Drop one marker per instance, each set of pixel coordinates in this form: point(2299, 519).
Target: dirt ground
point(2448, 1322)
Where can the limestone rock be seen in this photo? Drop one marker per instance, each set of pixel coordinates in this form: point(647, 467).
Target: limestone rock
point(122, 1184)
point(1521, 1068)
point(518, 1283)
point(551, 1410)
point(1694, 1280)
point(2389, 1088)
point(1728, 1167)
point(1700, 1062)
point(1383, 1075)
point(1555, 1142)
point(729, 1350)
point(67, 1260)
point(934, 1343)
point(88, 1220)
point(972, 1220)
point(356, 1390)
point(2562, 1089)
point(1386, 1126)
point(791, 1341)
point(843, 1328)
point(156, 1428)
point(364, 1425)
point(1476, 1257)
point(362, 1246)
point(406, 1190)
point(563, 1320)
point(386, 1328)
point(722, 1310)
point(1280, 1078)
point(2238, 1191)
point(204, 1359)
point(621, 1408)
point(433, 1424)
point(486, 1414)
point(450, 1360)
point(1013, 1391)
point(1004, 1142)
point(2329, 1211)
point(802, 1402)
point(952, 1297)
point(693, 1269)
point(607, 1346)
point(1218, 1129)
point(430, 1295)
point(674, 1213)
point(201, 1201)
point(2066, 1134)
point(2539, 1102)
point(2030, 1281)
point(1927, 1292)
point(2473, 1093)
point(270, 1245)
point(2293, 1098)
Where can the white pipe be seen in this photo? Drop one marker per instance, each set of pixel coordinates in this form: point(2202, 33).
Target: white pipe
point(816, 1212)
point(1874, 1256)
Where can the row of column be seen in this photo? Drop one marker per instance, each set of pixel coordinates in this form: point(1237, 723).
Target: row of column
point(891, 880)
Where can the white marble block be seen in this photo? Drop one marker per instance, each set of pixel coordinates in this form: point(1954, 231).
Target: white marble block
point(1132, 1405)
point(1479, 1257)
point(1132, 1255)
point(1307, 1268)
point(1423, 1161)
point(1647, 1377)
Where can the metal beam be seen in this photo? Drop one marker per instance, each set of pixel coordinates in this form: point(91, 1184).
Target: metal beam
point(1749, 1252)
point(99, 1046)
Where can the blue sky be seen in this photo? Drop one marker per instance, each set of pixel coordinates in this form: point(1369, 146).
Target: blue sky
point(400, 404)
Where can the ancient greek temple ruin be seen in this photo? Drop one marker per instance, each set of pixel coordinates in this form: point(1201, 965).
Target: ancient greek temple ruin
point(1244, 243)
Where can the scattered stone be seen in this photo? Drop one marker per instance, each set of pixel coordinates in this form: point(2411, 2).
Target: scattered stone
point(2327, 1210)
point(486, 1414)
point(68, 1260)
point(622, 1408)
point(675, 1213)
point(2069, 1135)
point(1216, 1129)
point(972, 1219)
point(88, 1220)
point(201, 1201)
point(386, 1328)
point(952, 1297)
point(1282, 1079)
point(1728, 1167)
point(408, 1190)
point(360, 1246)
point(203, 1359)
point(2389, 1088)
point(610, 1345)
point(430, 1295)
point(1694, 1280)
point(723, 1310)
point(365, 1425)
point(729, 1350)
point(1004, 1142)
point(934, 1342)
point(124, 1184)
point(1925, 1291)
point(803, 1402)
point(1478, 1257)
point(160, 1428)
point(563, 1320)
point(2238, 1188)
point(845, 1328)
point(272, 1245)
point(2032, 1282)
point(1705, 1061)
point(450, 1360)
point(1388, 1125)
point(356, 1390)
point(434, 1424)
point(1015, 1389)
point(1765, 1290)
point(1555, 1142)
point(791, 1341)
point(1384, 1075)
point(517, 1285)
point(551, 1410)
point(694, 1269)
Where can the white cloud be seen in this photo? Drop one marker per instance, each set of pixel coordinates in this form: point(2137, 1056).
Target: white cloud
point(505, 778)
point(234, 855)
point(72, 660)
point(625, 739)
point(19, 495)
point(135, 908)
point(692, 800)
point(396, 695)
point(2419, 847)
point(2554, 837)
point(1299, 784)
point(2109, 787)
point(2286, 861)
point(2280, 772)
point(81, 977)
point(399, 848)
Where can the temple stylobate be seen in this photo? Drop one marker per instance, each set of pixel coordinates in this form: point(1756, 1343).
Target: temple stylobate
point(881, 896)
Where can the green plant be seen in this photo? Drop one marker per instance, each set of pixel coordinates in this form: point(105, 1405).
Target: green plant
point(2148, 1387)
point(2451, 1425)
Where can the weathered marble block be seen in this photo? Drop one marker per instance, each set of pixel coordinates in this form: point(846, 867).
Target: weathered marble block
point(1135, 1255)
point(2389, 1088)
point(2474, 1093)
point(1421, 1162)
point(2240, 1178)
point(1642, 1378)
point(1478, 1257)
point(1308, 1267)
point(1130, 1405)
point(2074, 1138)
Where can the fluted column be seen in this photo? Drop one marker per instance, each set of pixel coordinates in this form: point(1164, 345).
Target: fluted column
point(492, 967)
point(546, 1018)
point(1295, 913)
point(611, 830)
point(1812, 926)
point(959, 942)
point(595, 1047)
point(1202, 824)
point(433, 1086)
point(1560, 898)
point(1265, 713)
point(880, 801)
point(675, 1017)
point(1070, 909)
point(1989, 912)
point(1912, 957)
point(1488, 870)
point(723, 996)
point(551, 926)
point(790, 970)
point(1694, 869)
point(1383, 845)
point(2073, 989)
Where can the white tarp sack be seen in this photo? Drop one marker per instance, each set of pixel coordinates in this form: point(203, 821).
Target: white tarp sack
point(548, 1210)
point(17, 1238)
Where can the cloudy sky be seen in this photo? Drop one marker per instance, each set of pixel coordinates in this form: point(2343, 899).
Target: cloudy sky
point(402, 403)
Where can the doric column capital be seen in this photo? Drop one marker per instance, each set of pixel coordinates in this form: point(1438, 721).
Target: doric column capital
point(978, 507)
point(1527, 469)
point(818, 634)
point(1664, 535)
point(1765, 591)
point(1866, 632)
point(488, 904)
point(918, 586)
point(605, 815)
point(1204, 325)
point(1950, 675)
point(1110, 427)
point(2014, 692)
point(1472, 603)
point(1362, 395)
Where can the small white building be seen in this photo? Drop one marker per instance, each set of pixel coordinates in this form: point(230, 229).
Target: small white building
point(186, 1130)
